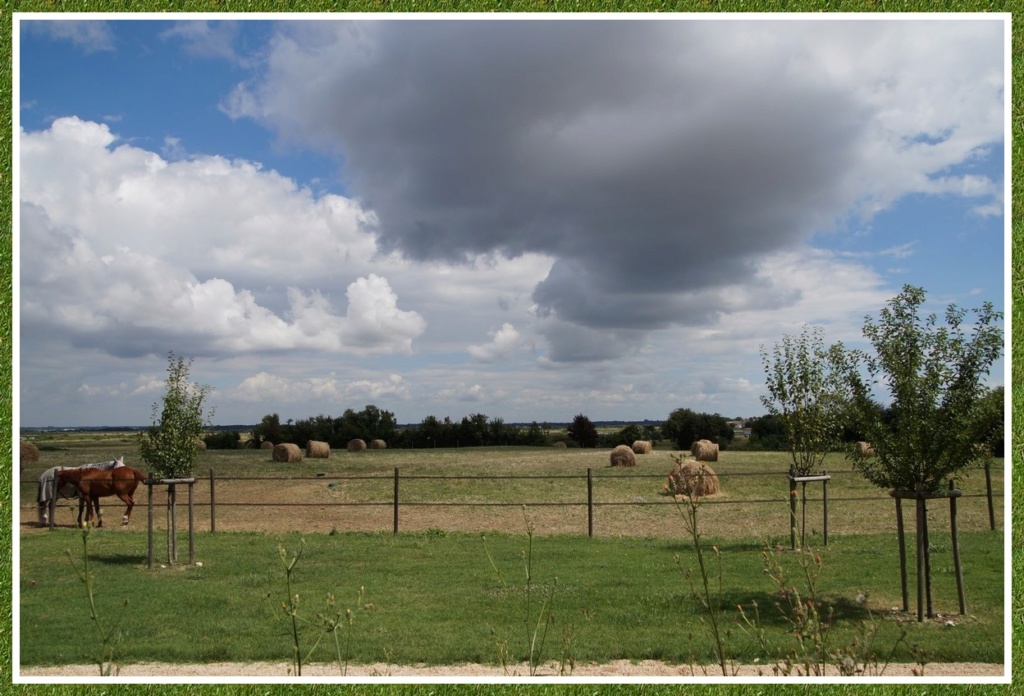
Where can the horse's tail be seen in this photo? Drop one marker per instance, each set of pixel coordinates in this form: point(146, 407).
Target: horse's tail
point(139, 476)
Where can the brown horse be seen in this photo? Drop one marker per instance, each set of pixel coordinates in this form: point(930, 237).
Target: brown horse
point(97, 483)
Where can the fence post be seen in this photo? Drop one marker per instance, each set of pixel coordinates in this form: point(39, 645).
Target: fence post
point(903, 549)
point(172, 502)
point(988, 492)
point(792, 510)
point(52, 503)
point(149, 509)
point(803, 512)
point(396, 502)
point(590, 503)
point(191, 528)
point(958, 568)
point(213, 505)
point(824, 503)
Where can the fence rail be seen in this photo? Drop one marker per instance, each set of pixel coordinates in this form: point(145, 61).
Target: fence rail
point(395, 503)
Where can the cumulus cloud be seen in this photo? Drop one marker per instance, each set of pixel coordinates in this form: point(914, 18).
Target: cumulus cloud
point(655, 161)
point(132, 304)
point(374, 319)
point(212, 215)
point(505, 343)
point(265, 387)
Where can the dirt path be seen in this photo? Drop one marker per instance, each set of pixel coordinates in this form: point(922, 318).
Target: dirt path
point(623, 669)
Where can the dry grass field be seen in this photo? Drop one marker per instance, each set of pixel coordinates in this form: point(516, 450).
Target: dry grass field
point(485, 489)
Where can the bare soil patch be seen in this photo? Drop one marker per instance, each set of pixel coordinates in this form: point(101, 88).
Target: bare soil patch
point(619, 669)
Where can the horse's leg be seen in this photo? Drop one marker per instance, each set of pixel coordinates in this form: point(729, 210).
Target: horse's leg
point(82, 506)
point(130, 502)
point(96, 507)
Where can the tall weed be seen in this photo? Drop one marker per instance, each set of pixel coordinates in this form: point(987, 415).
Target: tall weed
point(332, 622)
point(109, 636)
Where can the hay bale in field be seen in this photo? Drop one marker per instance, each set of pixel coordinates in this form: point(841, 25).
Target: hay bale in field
point(704, 451)
point(29, 453)
point(201, 446)
point(864, 449)
point(642, 447)
point(623, 456)
point(287, 452)
point(317, 449)
point(692, 478)
point(561, 445)
point(266, 444)
point(378, 444)
point(356, 445)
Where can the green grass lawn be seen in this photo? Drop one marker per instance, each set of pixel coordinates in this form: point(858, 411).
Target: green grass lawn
point(435, 597)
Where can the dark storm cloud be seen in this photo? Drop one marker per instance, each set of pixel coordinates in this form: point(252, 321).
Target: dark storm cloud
point(655, 160)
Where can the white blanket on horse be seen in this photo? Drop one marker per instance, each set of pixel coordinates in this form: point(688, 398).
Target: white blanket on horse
point(48, 479)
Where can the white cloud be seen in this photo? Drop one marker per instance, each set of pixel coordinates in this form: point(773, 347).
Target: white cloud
point(206, 39)
point(468, 393)
point(209, 214)
point(318, 391)
point(506, 343)
point(89, 35)
point(135, 303)
point(374, 320)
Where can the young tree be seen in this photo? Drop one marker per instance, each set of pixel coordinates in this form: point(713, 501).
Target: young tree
point(582, 431)
point(171, 444)
point(807, 393)
point(934, 376)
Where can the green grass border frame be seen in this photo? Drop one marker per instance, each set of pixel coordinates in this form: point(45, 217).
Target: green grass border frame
point(6, 305)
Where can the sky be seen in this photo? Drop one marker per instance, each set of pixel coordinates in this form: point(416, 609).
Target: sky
point(525, 218)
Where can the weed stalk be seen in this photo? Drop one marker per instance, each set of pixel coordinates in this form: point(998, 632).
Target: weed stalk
point(107, 636)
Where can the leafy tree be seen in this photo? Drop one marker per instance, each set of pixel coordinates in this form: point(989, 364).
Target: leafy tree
point(806, 391)
point(171, 444)
point(989, 427)
point(768, 433)
point(269, 430)
point(582, 431)
point(933, 373)
point(225, 439)
point(627, 436)
point(534, 435)
point(684, 427)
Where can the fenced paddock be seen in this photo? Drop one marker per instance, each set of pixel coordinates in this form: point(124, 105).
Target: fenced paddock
point(563, 491)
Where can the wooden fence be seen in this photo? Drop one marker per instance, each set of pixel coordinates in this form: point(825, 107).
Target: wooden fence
point(399, 482)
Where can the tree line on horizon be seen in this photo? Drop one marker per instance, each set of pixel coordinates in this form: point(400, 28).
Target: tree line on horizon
point(683, 427)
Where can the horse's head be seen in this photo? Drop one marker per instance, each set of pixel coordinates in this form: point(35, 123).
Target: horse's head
point(119, 461)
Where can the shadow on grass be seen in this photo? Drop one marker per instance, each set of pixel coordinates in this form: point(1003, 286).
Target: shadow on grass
point(685, 546)
point(775, 610)
point(117, 559)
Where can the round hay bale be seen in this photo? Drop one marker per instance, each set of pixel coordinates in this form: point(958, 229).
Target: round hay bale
point(317, 449)
point(623, 456)
point(692, 478)
point(29, 453)
point(287, 452)
point(378, 444)
point(201, 446)
point(864, 449)
point(561, 445)
point(266, 444)
point(356, 445)
point(642, 447)
point(704, 451)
